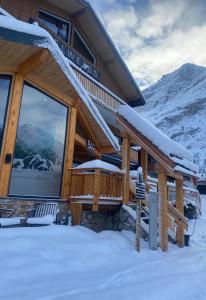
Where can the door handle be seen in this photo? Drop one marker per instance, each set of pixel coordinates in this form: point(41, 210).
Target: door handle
point(8, 158)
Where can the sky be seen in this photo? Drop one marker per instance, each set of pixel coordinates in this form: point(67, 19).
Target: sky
point(155, 37)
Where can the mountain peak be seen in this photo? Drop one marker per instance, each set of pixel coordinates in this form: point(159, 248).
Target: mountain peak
point(177, 105)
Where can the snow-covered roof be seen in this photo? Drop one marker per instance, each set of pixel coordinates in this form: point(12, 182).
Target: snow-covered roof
point(49, 43)
point(99, 164)
point(180, 156)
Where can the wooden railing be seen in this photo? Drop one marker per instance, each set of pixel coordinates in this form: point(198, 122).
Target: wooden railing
point(89, 79)
point(95, 186)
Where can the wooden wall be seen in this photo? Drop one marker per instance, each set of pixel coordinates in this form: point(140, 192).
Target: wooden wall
point(26, 9)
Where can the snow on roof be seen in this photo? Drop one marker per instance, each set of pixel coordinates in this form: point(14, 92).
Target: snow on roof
point(177, 153)
point(99, 164)
point(49, 43)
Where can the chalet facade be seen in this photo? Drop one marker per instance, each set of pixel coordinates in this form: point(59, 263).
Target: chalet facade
point(67, 98)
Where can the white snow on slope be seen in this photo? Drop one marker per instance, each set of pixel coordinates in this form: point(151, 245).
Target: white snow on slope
point(61, 263)
point(176, 104)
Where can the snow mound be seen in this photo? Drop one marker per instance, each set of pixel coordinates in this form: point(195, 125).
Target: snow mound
point(99, 164)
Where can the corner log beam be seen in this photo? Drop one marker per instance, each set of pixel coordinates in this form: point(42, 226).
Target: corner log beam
point(163, 208)
point(126, 168)
point(180, 208)
point(33, 63)
point(10, 133)
point(69, 152)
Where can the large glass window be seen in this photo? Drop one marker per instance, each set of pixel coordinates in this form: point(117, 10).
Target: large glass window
point(39, 151)
point(4, 95)
point(80, 45)
point(57, 25)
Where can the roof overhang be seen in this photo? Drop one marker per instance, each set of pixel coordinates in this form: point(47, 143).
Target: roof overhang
point(18, 47)
point(90, 24)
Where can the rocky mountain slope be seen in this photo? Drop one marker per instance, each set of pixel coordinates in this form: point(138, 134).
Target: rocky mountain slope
point(177, 105)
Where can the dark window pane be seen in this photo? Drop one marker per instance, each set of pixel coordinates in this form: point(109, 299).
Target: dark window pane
point(38, 158)
point(4, 94)
point(81, 47)
point(57, 25)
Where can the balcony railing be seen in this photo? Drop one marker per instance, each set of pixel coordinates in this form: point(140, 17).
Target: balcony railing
point(88, 76)
point(95, 186)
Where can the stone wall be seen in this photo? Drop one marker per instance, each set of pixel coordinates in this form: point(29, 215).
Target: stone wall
point(22, 206)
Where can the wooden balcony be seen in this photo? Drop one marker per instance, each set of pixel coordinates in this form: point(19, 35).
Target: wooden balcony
point(95, 186)
point(89, 77)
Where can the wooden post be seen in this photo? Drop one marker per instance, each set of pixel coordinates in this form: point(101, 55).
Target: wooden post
point(96, 189)
point(180, 208)
point(126, 168)
point(138, 225)
point(10, 134)
point(163, 208)
point(69, 152)
point(76, 211)
point(144, 164)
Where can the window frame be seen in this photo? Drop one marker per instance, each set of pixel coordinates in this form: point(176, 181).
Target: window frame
point(75, 30)
point(68, 40)
point(10, 78)
point(33, 197)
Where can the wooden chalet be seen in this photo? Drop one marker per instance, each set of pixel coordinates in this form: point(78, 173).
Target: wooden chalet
point(62, 88)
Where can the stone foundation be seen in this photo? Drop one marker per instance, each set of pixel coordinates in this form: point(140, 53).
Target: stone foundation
point(22, 206)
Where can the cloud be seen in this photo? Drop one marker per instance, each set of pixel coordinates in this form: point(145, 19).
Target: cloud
point(156, 36)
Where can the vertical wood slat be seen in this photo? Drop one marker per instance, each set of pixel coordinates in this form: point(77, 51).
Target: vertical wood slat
point(163, 208)
point(126, 168)
point(180, 207)
point(10, 133)
point(144, 163)
point(96, 189)
point(69, 151)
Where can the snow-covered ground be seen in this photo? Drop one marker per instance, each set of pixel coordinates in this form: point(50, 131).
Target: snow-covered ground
point(61, 263)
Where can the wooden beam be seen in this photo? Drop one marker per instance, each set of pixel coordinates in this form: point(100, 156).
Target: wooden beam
point(144, 163)
point(88, 129)
point(96, 189)
point(107, 150)
point(76, 211)
point(10, 134)
point(69, 151)
point(50, 90)
point(180, 208)
point(163, 208)
point(126, 168)
point(33, 63)
point(8, 70)
point(83, 143)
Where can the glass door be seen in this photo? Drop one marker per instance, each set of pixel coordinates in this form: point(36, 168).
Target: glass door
point(39, 151)
point(5, 82)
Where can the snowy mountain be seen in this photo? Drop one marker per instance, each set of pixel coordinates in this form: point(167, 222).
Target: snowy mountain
point(177, 105)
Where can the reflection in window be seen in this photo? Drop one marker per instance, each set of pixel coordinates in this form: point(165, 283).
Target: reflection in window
point(38, 157)
point(80, 45)
point(4, 94)
point(57, 25)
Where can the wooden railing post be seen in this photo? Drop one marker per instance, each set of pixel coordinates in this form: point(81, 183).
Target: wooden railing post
point(97, 177)
point(180, 208)
point(126, 168)
point(144, 163)
point(163, 208)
